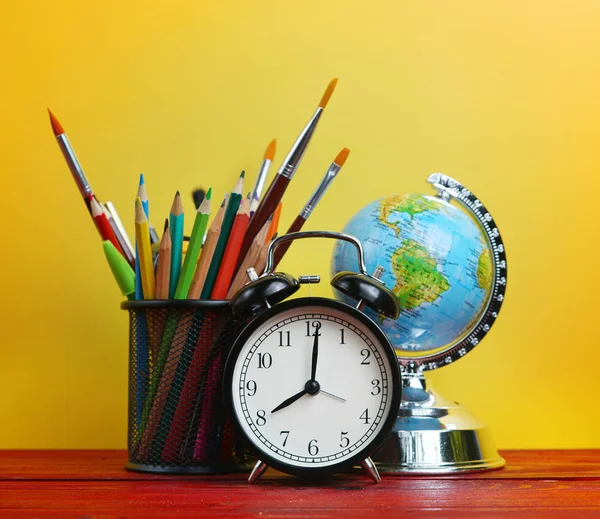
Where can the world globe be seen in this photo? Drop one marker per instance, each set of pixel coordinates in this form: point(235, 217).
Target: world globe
point(436, 259)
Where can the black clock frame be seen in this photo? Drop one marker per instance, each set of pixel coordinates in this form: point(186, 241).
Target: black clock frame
point(395, 389)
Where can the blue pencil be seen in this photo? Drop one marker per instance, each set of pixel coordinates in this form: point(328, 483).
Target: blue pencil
point(176, 230)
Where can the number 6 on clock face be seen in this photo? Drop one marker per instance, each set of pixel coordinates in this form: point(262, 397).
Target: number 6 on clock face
point(314, 385)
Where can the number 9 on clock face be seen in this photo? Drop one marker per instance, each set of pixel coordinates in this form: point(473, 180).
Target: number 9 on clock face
point(314, 385)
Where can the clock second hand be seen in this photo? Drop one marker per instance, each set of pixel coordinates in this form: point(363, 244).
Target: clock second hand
point(332, 395)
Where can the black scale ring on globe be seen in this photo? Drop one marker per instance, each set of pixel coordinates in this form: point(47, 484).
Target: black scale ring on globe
point(450, 189)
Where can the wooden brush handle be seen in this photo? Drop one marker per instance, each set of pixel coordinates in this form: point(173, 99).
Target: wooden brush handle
point(282, 249)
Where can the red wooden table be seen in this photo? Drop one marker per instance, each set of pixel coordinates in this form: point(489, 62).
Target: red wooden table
point(94, 484)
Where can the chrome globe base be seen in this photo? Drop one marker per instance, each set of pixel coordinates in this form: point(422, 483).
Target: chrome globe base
point(433, 435)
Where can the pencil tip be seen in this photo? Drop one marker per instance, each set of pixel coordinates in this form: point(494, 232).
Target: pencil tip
point(142, 181)
point(341, 157)
point(328, 92)
point(166, 226)
point(56, 126)
point(270, 151)
point(177, 207)
point(208, 194)
point(242, 174)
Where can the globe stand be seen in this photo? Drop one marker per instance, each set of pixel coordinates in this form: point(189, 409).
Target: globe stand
point(433, 435)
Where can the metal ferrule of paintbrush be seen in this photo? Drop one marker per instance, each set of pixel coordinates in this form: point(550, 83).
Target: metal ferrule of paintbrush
point(74, 166)
point(292, 161)
point(320, 191)
point(260, 184)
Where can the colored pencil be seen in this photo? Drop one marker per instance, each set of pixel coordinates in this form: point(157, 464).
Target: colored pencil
point(122, 271)
point(142, 238)
point(164, 264)
point(274, 222)
point(193, 250)
point(232, 251)
point(190, 404)
point(176, 229)
point(141, 193)
point(103, 225)
point(183, 380)
point(207, 252)
point(143, 196)
point(118, 236)
point(262, 176)
point(241, 277)
point(72, 161)
point(286, 172)
point(230, 211)
point(112, 210)
point(307, 210)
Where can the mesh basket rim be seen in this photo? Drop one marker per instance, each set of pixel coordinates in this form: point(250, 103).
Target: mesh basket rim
point(184, 304)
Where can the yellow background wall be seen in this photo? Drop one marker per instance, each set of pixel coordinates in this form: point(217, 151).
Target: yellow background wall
point(504, 96)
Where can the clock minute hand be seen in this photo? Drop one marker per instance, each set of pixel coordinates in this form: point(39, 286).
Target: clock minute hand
point(290, 400)
point(315, 356)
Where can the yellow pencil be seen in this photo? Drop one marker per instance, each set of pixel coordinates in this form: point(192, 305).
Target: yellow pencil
point(142, 237)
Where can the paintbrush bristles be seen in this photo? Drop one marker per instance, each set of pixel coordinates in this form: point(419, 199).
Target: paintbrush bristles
point(270, 151)
point(341, 157)
point(56, 126)
point(328, 92)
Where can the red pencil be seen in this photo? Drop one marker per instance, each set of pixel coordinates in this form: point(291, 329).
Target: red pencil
point(103, 224)
point(230, 257)
point(284, 175)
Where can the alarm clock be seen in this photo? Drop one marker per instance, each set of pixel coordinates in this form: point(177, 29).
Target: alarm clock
point(313, 383)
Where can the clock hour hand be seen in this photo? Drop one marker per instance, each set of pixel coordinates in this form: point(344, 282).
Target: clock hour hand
point(290, 400)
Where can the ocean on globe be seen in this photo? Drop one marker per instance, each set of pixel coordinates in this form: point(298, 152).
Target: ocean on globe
point(437, 261)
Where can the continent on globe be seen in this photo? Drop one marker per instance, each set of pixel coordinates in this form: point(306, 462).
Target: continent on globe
point(408, 204)
point(418, 279)
point(485, 270)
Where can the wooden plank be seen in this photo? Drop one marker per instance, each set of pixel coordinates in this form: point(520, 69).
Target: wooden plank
point(109, 465)
point(285, 498)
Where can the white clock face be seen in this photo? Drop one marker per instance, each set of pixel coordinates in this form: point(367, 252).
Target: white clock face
point(312, 386)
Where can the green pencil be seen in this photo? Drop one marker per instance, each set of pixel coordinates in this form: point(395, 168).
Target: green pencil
point(193, 250)
point(176, 229)
point(123, 273)
point(230, 211)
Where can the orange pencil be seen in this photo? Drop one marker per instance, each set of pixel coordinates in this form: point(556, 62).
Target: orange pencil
point(163, 270)
point(230, 257)
point(206, 255)
point(103, 224)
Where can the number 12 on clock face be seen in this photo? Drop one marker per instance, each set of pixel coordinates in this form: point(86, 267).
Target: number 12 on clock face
point(313, 386)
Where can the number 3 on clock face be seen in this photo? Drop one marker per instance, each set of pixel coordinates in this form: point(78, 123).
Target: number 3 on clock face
point(314, 385)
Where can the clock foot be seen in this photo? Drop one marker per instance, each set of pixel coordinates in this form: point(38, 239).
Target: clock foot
point(369, 468)
point(259, 470)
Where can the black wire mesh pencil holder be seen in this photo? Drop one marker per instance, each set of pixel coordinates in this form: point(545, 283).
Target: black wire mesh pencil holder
point(178, 422)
